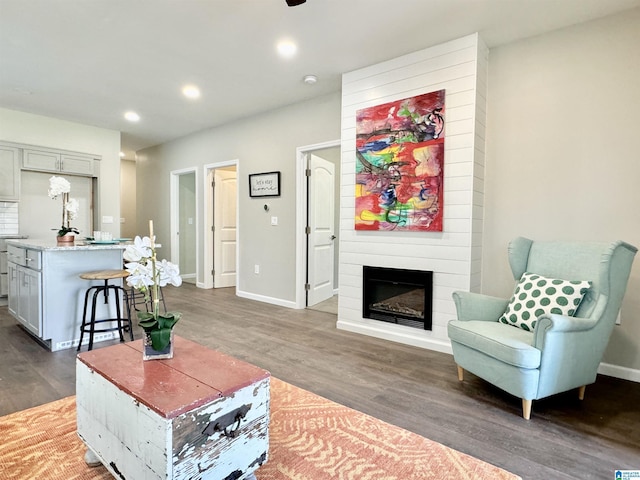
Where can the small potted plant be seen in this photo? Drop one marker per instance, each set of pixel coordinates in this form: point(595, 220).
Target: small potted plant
point(61, 186)
point(147, 275)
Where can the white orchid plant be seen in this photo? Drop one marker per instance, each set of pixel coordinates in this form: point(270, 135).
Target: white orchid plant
point(70, 206)
point(147, 275)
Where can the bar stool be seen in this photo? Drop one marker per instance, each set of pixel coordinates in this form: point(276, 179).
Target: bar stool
point(137, 298)
point(89, 326)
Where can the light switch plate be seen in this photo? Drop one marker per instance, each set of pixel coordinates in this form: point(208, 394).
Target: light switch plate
point(274, 220)
point(107, 219)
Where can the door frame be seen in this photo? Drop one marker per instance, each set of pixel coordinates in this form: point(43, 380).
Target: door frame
point(174, 220)
point(301, 215)
point(208, 222)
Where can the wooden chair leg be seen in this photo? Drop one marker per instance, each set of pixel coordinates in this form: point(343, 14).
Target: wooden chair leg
point(526, 408)
point(460, 373)
point(581, 392)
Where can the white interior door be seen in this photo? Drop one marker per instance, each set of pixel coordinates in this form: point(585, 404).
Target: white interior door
point(321, 227)
point(224, 228)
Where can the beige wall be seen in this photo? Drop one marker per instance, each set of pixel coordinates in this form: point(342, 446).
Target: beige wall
point(562, 152)
point(262, 143)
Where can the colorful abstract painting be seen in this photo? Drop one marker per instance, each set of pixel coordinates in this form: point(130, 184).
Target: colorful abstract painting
point(399, 166)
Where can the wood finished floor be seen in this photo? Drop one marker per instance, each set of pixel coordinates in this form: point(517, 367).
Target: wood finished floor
point(414, 388)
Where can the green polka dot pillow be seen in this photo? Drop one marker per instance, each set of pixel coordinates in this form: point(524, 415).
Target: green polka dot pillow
point(536, 295)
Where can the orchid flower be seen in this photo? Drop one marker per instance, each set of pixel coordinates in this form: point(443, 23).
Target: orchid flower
point(58, 186)
point(72, 207)
point(141, 249)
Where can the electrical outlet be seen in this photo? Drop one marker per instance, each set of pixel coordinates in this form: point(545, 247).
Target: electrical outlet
point(256, 269)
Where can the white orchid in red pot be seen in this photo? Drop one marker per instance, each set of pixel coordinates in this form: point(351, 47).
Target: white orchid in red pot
point(60, 186)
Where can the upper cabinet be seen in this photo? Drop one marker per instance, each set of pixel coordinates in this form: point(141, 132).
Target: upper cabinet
point(53, 161)
point(76, 164)
point(9, 174)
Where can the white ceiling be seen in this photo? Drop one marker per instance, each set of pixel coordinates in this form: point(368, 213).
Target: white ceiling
point(89, 61)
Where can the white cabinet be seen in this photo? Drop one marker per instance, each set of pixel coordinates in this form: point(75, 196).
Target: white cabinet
point(25, 287)
point(12, 277)
point(76, 164)
point(4, 285)
point(9, 174)
point(30, 299)
point(59, 162)
point(41, 160)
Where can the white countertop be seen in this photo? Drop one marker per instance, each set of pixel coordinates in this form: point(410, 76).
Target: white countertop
point(51, 244)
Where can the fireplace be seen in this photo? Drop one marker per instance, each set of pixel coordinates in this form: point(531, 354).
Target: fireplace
point(398, 296)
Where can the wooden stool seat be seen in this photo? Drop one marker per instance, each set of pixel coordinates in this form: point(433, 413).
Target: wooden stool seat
point(123, 323)
point(104, 275)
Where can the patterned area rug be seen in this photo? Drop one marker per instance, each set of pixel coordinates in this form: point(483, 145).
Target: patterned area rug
point(311, 438)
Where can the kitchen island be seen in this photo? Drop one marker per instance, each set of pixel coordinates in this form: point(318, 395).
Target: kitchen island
point(46, 294)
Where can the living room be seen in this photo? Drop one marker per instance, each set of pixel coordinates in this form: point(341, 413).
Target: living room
point(558, 164)
point(536, 97)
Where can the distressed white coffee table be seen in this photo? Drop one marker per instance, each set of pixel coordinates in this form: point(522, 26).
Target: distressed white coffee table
point(201, 415)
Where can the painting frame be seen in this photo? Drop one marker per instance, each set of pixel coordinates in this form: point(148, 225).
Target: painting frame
point(399, 181)
point(265, 184)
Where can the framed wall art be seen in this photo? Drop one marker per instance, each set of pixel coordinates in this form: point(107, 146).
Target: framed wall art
point(400, 163)
point(264, 184)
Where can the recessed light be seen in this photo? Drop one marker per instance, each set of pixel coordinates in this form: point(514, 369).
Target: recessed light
point(132, 116)
point(310, 79)
point(191, 91)
point(287, 48)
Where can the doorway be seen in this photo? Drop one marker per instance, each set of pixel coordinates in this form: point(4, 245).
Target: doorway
point(184, 223)
point(221, 229)
point(318, 226)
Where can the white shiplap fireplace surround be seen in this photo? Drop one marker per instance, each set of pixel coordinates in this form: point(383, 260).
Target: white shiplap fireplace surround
point(454, 255)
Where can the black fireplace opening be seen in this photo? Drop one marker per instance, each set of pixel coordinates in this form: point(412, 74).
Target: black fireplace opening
point(398, 296)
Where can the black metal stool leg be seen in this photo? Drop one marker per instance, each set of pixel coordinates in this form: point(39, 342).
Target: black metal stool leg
point(92, 327)
point(130, 324)
point(84, 317)
point(118, 319)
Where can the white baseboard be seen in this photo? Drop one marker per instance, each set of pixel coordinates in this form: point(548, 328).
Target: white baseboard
point(623, 373)
point(608, 369)
point(265, 299)
point(399, 337)
point(617, 371)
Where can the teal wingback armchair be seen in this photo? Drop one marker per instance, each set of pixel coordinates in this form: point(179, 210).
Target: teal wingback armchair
point(561, 352)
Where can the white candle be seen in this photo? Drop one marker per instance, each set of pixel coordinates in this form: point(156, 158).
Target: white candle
point(151, 232)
